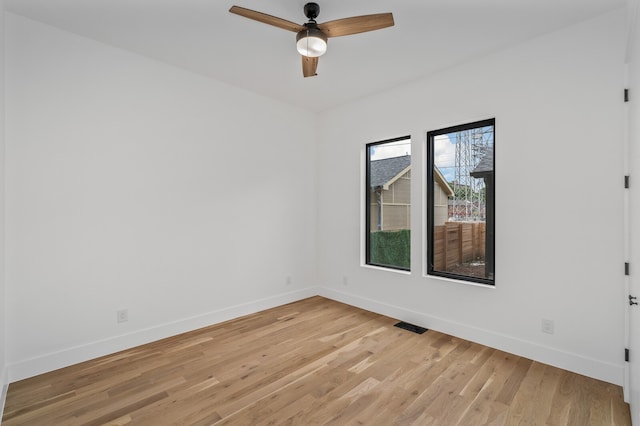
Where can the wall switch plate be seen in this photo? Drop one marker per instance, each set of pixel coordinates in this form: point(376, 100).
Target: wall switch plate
point(122, 315)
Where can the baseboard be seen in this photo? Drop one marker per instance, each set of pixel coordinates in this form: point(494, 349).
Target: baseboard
point(607, 372)
point(74, 355)
point(600, 370)
point(4, 386)
point(635, 407)
point(626, 385)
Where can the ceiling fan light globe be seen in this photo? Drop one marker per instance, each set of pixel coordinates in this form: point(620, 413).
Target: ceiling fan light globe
point(311, 43)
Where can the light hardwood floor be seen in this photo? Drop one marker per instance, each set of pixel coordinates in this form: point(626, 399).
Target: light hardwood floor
point(313, 362)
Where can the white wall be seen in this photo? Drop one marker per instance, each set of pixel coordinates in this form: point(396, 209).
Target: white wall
point(634, 169)
point(133, 184)
point(3, 317)
point(559, 246)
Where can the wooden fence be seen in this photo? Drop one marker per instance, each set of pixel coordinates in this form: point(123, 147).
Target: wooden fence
point(458, 242)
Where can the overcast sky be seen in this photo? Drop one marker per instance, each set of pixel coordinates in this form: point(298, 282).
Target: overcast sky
point(391, 149)
point(445, 156)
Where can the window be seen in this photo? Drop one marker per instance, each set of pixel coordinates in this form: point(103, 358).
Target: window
point(388, 203)
point(461, 203)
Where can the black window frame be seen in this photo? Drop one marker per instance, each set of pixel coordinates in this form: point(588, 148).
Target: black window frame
point(367, 258)
point(490, 207)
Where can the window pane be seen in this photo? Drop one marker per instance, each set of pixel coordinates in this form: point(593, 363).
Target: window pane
point(388, 212)
point(461, 202)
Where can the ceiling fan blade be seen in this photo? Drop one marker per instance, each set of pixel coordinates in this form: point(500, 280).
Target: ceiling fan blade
point(267, 19)
point(309, 66)
point(356, 24)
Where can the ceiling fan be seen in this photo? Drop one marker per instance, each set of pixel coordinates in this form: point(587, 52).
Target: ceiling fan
point(311, 40)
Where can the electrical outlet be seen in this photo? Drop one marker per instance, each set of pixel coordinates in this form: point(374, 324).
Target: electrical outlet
point(289, 280)
point(547, 326)
point(345, 281)
point(122, 315)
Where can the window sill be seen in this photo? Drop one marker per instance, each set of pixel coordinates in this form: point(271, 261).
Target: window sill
point(453, 280)
point(382, 268)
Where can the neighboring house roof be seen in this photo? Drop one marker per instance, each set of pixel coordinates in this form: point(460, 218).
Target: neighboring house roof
point(382, 172)
point(439, 178)
point(485, 165)
point(386, 171)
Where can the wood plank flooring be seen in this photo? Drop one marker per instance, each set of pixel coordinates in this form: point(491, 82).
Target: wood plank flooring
point(313, 362)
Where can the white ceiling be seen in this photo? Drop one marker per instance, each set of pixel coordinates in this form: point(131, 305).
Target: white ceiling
point(202, 36)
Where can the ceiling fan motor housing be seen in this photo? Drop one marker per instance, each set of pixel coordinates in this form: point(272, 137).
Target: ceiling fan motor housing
point(311, 42)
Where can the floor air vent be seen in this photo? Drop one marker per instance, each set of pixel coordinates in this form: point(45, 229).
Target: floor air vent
point(411, 327)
